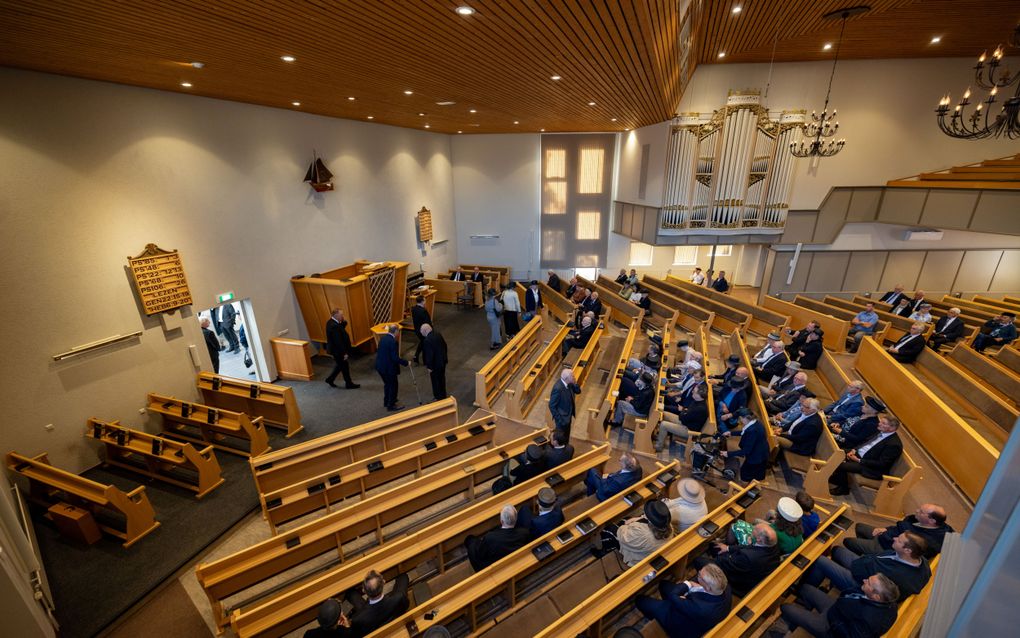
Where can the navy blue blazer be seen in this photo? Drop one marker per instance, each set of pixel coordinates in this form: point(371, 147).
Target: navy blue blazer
point(387, 358)
point(805, 435)
point(851, 407)
point(693, 615)
point(735, 402)
point(540, 525)
point(754, 446)
point(529, 300)
point(613, 484)
point(561, 403)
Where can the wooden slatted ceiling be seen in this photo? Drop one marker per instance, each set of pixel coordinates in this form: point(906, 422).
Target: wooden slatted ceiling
point(621, 54)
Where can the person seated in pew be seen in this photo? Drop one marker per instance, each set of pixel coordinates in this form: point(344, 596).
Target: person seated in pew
point(928, 522)
point(873, 459)
point(697, 277)
point(553, 281)
point(893, 296)
point(902, 308)
point(865, 612)
point(1001, 331)
point(686, 352)
point(635, 405)
point(917, 300)
point(332, 622)
point(782, 383)
point(645, 302)
point(560, 450)
point(848, 404)
point(809, 353)
point(732, 400)
point(773, 365)
point(799, 337)
point(904, 564)
point(485, 550)
point(580, 295)
point(583, 305)
point(754, 448)
point(548, 518)
point(801, 436)
point(745, 565)
point(862, 325)
point(809, 519)
point(458, 275)
point(692, 608)
point(770, 340)
point(374, 609)
point(907, 347)
point(786, 521)
point(681, 397)
point(784, 419)
point(579, 337)
point(922, 313)
point(948, 330)
point(789, 397)
point(688, 508)
point(719, 284)
point(595, 307)
point(529, 465)
point(622, 277)
point(476, 274)
point(692, 417)
point(571, 288)
point(855, 430)
point(605, 486)
point(638, 537)
point(732, 363)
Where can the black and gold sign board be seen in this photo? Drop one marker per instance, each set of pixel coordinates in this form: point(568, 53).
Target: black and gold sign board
point(159, 278)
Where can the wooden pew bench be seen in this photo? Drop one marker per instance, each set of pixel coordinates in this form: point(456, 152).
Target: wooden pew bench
point(623, 311)
point(556, 304)
point(1009, 357)
point(898, 326)
point(881, 327)
point(504, 271)
point(818, 467)
point(496, 374)
point(157, 457)
point(274, 470)
point(643, 428)
point(735, 345)
point(449, 291)
point(1006, 304)
point(526, 392)
point(440, 544)
point(297, 548)
point(763, 320)
point(346, 481)
point(893, 487)
point(274, 403)
point(125, 515)
point(912, 610)
point(955, 381)
point(989, 372)
point(690, 316)
point(596, 430)
point(727, 318)
point(835, 328)
point(205, 425)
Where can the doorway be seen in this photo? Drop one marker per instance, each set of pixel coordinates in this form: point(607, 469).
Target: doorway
point(240, 348)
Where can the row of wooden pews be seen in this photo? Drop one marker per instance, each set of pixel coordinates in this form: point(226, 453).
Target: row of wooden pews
point(762, 320)
point(494, 377)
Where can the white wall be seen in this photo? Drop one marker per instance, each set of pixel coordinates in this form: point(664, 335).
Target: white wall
point(627, 186)
point(496, 191)
point(95, 171)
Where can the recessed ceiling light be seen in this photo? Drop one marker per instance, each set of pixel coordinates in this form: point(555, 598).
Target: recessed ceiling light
point(591, 104)
point(287, 58)
point(371, 117)
point(722, 54)
point(626, 129)
point(465, 10)
point(736, 9)
point(555, 77)
point(421, 115)
point(198, 65)
point(936, 39)
point(827, 46)
point(613, 120)
point(351, 98)
point(542, 130)
point(428, 126)
point(408, 92)
point(296, 103)
point(460, 131)
point(517, 122)
point(446, 103)
point(473, 111)
point(186, 85)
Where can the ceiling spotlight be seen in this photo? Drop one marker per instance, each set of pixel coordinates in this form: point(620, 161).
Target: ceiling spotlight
point(626, 129)
point(351, 98)
point(296, 103)
point(428, 126)
point(555, 77)
point(722, 54)
point(464, 10)
point(287, 58)
point(591, 104)
point(613, 120)
point(473, 111)
point(198, 65)
point(408, 92)
point(827, 46)
point(370, 117)
point(460, 131)
point(517, 122)
point(421, 115)
point(446, 103)
point(736, 10)
point(186, 85)
point(936, 39)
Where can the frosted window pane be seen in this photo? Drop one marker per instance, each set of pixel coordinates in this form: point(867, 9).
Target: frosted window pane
point(588, 224)
point(592, 162)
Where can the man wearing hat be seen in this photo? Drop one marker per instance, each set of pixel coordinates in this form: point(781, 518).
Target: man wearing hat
point(332, 622)
point(638, 537)
point(785, 520)
point(903, 308)
point(858, 429)
point(782, 383)
point(549, 517)
point(754, 447)
point(799, 337)
point(530, 466)
point(688, 508)
point(1000, 332)
point(532, 301)
point(811, 351)
point(770, 340)
point(732, 363)
point(910, 345)
point(691, 608)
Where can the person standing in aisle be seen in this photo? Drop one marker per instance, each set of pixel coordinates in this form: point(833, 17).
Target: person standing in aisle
point(213, 344)
point(338, 345)
point(387, 364)
point(435, 360)
point(419, 317)
point(492, 311)
point(511, 310)
point(226, 315)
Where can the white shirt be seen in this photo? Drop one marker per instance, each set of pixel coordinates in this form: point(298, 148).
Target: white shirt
point(949, 322)
point(511, 302)
point(698, 278)
point(861, 451)
point(904, 340)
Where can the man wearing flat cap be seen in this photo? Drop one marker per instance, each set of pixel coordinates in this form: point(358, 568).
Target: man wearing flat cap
point(548, 518)
point(532, 301)
point(530, 466)
point(732, 363)
point(332, 622)
point(855, 430)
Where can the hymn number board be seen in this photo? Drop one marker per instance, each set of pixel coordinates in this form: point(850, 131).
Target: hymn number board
point(159, 278)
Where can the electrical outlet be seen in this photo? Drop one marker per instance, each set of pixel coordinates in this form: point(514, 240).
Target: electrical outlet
point(283, 332)
point(48, 427)
point(141, 410)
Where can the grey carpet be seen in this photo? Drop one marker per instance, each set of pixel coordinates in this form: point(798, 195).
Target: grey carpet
point(94, 586)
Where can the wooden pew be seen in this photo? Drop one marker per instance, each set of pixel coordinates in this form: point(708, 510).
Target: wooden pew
point(594, 616)
point(763, 320)
point(954, 381)
point(344, 481)
point(623, 311)
point(468, 598)
point(243, 570)
point(496, 374)
point(589, 355)
point(701, 343)
point(912, 610)
point(727, 318)
point(159, 457)
point(835, 328)
point(643, 428)
point(972, 321)
point(964, 454)
point(898, 326)
point(1013, 300)
point(831, 376)
point(491, 278)
point(752, 608)
point(690, 316)
point(288, 609)
point(132, 513)
point(504, 271)
point(292, 464)
point(448, 291)
point(969, 304)
point(529, 388)
point(1005, 304)
point(596, 430)
point(881, 328)
point(989, 372)
point(181, 420)
point(893, 487)
point(555, 303)
point(976, 313)
point(735, 345)
point(818, 467)
point(274, 403)
point(1009, 357)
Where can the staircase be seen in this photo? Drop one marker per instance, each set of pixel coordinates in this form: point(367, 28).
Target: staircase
point(997, 174)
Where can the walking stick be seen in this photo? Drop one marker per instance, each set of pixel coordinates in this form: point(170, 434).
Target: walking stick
point(410, 366)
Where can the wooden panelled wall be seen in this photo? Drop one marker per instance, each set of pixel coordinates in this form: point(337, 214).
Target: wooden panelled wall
point(937, 272)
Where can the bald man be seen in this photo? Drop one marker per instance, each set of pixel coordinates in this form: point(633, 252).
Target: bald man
point(928, 522)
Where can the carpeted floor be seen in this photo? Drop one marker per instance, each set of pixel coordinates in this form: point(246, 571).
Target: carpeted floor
point(94, 586)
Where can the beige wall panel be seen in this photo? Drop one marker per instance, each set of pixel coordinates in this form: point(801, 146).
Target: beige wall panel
point(782, 268)
point(997, 213)
point(902, 206)
point(939, 271)
point(827, 272)
point(651, 225)
point(864, 203)
point(864, 272)
point(800, 227)
point(902, 268)
point(628, 219)
point(948, 208)
point(976, 270)
point(836, 203)
point(1007, 277)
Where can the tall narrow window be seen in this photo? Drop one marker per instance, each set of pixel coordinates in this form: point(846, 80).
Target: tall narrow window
point(588, 224)
point(685, 256)
point(722, 250)
point(641, 254)
point(592, 161)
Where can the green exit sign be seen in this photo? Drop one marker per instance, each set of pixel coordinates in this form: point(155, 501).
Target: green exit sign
point(225, 297)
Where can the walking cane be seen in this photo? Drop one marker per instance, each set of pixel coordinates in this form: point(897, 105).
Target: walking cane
point(410, 366)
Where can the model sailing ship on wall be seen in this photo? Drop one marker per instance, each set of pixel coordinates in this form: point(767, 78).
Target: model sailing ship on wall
point(319, 176)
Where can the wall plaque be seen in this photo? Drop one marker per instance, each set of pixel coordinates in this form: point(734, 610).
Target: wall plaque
point(159, 278)
point(424, 225)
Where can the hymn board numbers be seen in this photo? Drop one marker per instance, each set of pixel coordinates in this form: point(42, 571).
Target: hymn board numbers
point(159, 278)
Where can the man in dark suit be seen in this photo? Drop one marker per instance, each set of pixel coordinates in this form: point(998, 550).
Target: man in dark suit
point(731, 400)
point(902, 308)
point(690, 609)
point(604, 486)
point(458, 275)
point(917, 300)
point(948, 330)
point(754, 447)
point(332, 622)
point(387, 364)
point(548, 518)
point(532, 301)
point(789, 395)
point(907, 347)
point(636, 405)
point(799, 337)
point(849, 404)
point(485, 550)
point(893, 296)
point(419, 317)
point(809, 353)
point(225, 316)
point(997, 332)
point(871, 460)
point(867, 611)
point(530, 464)
point(373, 610)
point(928, 522)
point(801, 436)
point(560, 450)
point(554, 281)
point(212, 344)
point(595, 305)
point(745, 566)
point(561, 400)
point(772, 365)
point(579, 337)
point(855, 430)
point(338, 345)
point(476, 275)
point(435, 360)
point(904, 565)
